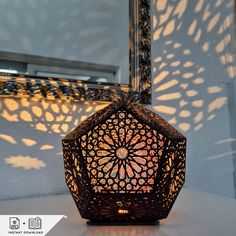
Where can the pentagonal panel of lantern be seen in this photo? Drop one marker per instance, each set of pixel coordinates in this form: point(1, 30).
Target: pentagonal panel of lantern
point(124, 164)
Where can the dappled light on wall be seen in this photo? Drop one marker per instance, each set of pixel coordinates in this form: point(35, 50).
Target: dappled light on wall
point(30, 140)
point(42, 120)
point(8, 138)
point(224, 155)
point(185, 90)
point(45, 116)
point(25, 162)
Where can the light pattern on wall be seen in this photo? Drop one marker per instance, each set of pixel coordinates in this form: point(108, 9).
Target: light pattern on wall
point(43, 119)
point(30, 141)
point(186, 36)
point(44, 115)
point(185, 89)
point(25, 162)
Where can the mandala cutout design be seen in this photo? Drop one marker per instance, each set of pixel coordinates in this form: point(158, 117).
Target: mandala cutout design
point(122, 154)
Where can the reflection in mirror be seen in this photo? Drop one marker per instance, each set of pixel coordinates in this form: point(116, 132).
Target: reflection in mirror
point(78, 39)
point(26, 31)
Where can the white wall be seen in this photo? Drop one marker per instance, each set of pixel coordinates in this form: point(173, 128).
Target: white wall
point(192, 67)
point(82, 30)
point(31, 130)
point(190, 72)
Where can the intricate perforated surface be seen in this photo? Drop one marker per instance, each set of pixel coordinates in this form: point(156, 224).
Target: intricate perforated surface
point(122, 154)
point(122, 166)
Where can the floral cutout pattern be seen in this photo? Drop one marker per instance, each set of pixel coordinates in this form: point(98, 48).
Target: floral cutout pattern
point(122, 154)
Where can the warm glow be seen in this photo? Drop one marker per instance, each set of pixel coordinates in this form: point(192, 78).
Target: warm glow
point(199, 5)
point(205, 47)
point(165, 109)
point(124, 157)
point(206, 13)
point(185, 114)
point(28, 142)
point(188, 75)
point(41, 127)
point(191, 93)
point(198, 103)
point(122, 153)
point(9, 117)
point(199, 117)
point(8, 138)
point(46, 147)
point(184, 127)
point(167, 85)
point(169, 28)
point(122, 211)
point(192, 27)
point(217, 103)
point(198, 35)
point(13, 105)
point(214, 89)
point(169, 96)
point(199, 81)
point(83, 118)
point(25, 116)
point(161, 77)
point(46, 116)
point(25, 162)
point(213, 22)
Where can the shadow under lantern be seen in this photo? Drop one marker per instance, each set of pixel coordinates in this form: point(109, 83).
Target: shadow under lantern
point(124, 164)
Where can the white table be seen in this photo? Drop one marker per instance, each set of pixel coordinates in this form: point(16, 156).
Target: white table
point(194, 214)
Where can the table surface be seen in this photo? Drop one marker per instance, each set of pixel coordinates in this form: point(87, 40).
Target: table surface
point(194, 214)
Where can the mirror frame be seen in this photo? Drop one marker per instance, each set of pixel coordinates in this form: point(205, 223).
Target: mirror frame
point(138, 89)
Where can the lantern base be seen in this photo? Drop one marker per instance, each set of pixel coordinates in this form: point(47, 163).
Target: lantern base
point(121, 223)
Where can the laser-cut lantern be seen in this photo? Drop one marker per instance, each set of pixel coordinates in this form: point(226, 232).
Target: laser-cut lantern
point(124, 164)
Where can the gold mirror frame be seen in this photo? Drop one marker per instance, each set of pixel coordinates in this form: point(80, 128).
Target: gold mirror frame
point(138, 89)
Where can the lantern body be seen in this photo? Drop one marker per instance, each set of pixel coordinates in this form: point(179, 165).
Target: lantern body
point(124, 164)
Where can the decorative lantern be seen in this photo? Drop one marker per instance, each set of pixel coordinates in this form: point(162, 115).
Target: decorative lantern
point(124, 164)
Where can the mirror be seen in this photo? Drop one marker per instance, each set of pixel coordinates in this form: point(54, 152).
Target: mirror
point(93, 33)
point(82, 49)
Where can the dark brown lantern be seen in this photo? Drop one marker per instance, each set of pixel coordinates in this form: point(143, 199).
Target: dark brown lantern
point(124, 164)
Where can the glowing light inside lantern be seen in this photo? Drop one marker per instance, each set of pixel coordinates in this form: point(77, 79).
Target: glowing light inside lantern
point(122, 153)
point(123, 211)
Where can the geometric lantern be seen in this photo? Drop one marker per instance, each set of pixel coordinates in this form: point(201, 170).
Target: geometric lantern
point(124, 164)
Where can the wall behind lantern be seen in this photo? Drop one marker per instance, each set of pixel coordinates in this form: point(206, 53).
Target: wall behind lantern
point(87, 31)
point(192, 67)
point(30, 139)
point(192, 63)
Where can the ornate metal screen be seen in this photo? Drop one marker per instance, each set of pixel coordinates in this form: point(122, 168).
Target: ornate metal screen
point(124, 163)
